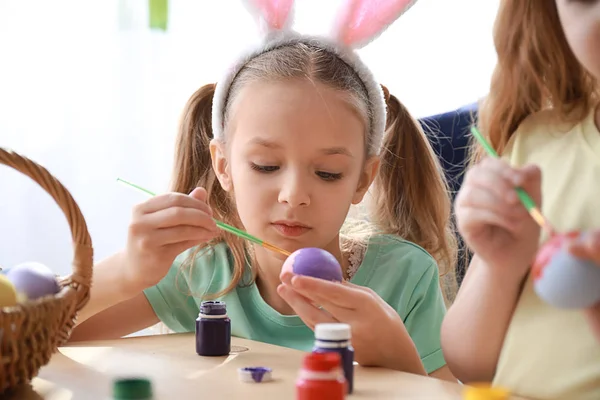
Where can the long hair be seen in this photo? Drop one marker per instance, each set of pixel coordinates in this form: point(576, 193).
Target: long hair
point(412, 199)
point(536, 70)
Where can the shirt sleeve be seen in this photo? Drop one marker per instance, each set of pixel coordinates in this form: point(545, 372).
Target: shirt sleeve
point(171, 298)
point(424, 316)
point(407, 278)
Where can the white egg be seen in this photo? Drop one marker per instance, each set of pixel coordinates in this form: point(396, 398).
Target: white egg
point(569, 282)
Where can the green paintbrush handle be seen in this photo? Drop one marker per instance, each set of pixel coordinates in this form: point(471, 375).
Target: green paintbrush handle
point(222, 225)
point(523, 196)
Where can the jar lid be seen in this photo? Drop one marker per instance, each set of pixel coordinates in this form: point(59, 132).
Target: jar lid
point(132, 389)
point(333, 331)
point(322, 362)
point(213, 308)
point(483, 391)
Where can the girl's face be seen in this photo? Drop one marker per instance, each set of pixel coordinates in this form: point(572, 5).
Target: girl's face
point(295, 162)
point(580, 20)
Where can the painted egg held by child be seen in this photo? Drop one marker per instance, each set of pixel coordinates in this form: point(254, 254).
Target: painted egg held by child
point(8, 293)
point(33, 280)
point(315, 262)
point(563, 280)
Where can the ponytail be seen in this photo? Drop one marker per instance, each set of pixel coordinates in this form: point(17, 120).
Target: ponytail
point(193, 168)
point(411, 197)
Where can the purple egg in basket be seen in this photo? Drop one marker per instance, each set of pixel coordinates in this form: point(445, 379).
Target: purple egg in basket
point(33, 280)
point(315, 262)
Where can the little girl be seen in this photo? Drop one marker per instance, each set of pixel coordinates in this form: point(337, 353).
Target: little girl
point(542, 115)
point(291, 137)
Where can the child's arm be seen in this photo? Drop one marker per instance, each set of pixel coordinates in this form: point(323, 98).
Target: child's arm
point(504, 239)
point(474, 328)
point(161, 228)
point(117, 306)
point(110, 286)
point(117, 321)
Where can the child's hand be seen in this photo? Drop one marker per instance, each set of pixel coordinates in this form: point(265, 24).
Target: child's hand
point(378, 333)
point(587, 246)
point(162, 228)
point(491, 219)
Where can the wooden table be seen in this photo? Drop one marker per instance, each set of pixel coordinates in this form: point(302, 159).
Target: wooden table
point(85, 370)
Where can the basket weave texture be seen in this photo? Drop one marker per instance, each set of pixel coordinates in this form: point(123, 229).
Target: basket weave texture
point(31, 332)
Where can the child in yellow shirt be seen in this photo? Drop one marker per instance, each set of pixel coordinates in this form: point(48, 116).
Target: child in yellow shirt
point(542, 116)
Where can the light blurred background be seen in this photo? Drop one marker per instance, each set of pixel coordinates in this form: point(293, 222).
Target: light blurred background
point(90, 92)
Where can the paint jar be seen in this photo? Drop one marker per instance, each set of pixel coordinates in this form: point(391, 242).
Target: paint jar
point(484, 391)
point(335, 337)
point(321, 378)
point(132, 388)
point(213, 329)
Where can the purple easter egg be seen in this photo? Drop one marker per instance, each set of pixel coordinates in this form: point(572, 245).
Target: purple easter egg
point(33, 279)
point(314, 262)
point(567, 281)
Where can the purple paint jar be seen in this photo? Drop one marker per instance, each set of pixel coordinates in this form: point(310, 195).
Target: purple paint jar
point(335, 337)
point(213, 329)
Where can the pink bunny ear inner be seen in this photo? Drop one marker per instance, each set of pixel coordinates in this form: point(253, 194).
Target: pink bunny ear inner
point(275, 13)
point(360, 21)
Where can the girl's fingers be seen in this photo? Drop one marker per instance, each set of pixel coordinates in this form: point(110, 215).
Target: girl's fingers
point(494, 176)
point(579, 250)
point(286, 277)
point(169, 200)
point(305, 310)
point(587, 247)
point(178, 248)
point(175, 216)
point(179, 234)
point(324, 292)
point(481, 198)
point(199, 193)
point(473, 219)
point(527, 177)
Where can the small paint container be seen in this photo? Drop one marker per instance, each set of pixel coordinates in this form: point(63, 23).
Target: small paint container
point(213, 329)
point(335, 337)
point(132, 389)
point(321, 378)
point(255, 374)
point(484, 391)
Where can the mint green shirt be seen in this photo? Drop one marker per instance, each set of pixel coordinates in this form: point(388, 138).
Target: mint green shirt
point(403, 274)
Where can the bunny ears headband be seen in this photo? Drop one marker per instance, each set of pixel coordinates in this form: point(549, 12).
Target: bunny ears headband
point(358, 23)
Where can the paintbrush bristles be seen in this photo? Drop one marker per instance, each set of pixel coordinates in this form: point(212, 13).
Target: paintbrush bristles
point(276, 249)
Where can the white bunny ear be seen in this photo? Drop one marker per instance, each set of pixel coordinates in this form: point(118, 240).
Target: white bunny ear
point(271, 15)
point(361, 21)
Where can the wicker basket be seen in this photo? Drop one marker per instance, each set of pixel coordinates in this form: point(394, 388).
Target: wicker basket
point(31, 332)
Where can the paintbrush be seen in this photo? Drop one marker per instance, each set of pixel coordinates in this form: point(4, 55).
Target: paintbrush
point(231, 229)
point(526, 200)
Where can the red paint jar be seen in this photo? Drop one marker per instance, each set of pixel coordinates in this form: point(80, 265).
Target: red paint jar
point(321, 378)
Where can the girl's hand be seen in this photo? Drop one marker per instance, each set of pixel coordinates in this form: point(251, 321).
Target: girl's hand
point(162, 228)
point(491, 219)
point(588, 247)
point(378, 333)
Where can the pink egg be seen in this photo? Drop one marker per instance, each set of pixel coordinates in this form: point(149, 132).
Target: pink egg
point(315, 262)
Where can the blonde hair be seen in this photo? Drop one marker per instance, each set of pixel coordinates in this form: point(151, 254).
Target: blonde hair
point(411, 198)
point(536, 70)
